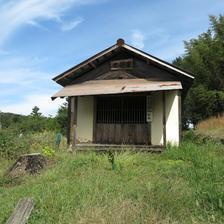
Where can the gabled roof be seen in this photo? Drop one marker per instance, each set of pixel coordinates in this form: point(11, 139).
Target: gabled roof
point(92, 62)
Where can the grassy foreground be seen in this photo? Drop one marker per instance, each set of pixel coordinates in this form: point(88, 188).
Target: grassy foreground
point(184, 185)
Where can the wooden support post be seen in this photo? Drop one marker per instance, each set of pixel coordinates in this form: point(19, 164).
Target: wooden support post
point(94, 118)
point(69, 122)
point(150, 132)
point(180, 114)
point(149, 116)
point(164, 118)
point(73, 121)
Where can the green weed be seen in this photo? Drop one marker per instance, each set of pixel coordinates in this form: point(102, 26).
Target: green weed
point(180, 185)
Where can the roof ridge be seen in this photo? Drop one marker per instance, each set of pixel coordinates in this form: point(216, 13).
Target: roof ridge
point(121, 44)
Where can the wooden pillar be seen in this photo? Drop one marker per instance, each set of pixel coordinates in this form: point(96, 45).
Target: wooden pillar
point(94, 118)
point(149, 116)
point(164, 118)
point(72, 136)
point(69, 121)
point(180, 114)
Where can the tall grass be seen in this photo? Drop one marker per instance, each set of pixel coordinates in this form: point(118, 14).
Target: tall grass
point(212, 127)
point(181, 185)
point(211, 123)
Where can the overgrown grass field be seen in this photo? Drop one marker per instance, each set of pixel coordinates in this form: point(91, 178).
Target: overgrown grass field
point(180, 185)
point(212, 127)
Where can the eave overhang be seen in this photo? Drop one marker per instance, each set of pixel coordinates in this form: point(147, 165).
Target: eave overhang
point(107, 87)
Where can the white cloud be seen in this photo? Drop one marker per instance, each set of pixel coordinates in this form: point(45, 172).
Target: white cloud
point(43, 101)
point(24, 87)
point(67, 26)
point(36, 24)
point(16, 13)
point(137, 39)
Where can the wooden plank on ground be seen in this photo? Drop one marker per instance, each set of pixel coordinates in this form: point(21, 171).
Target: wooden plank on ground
point(22, 211)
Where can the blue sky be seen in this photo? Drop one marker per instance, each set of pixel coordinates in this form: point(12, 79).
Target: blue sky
point(40, 39)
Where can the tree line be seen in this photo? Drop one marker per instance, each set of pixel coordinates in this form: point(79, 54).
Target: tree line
point(204, 57)
point(35, 121)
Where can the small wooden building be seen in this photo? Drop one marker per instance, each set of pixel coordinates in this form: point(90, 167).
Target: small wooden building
point(124, 96)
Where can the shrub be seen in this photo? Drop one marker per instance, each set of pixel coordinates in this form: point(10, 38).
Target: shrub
point(44, 139)
point(48, 151)
point(13, 144)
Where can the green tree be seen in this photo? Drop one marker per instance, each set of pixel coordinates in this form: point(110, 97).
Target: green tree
point(62, 118)
point(35, 112)
point(204, 57)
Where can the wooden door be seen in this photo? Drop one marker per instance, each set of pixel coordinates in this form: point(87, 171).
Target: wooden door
point(121, 120)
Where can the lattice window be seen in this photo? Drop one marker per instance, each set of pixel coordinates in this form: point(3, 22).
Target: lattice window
point(121, 109)
point(121, 64)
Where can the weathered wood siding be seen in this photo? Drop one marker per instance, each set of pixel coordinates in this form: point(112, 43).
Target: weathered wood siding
point(72, 121)
point(141, 69)
point(137, 134)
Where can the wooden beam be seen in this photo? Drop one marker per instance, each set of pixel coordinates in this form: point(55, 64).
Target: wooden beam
point(73, 121)
point(164, 118)
point(158, 61)
point(149, 109)
point(112, 147)
point(93, 58)
point(92, 64)
point(180, 114)
point(150, 132)
point(69, 122)
point(22, 211)
point(94, 117)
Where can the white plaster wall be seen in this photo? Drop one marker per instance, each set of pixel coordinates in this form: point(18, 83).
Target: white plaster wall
point(85, 119)
point(157, 119)
point(172, 117)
